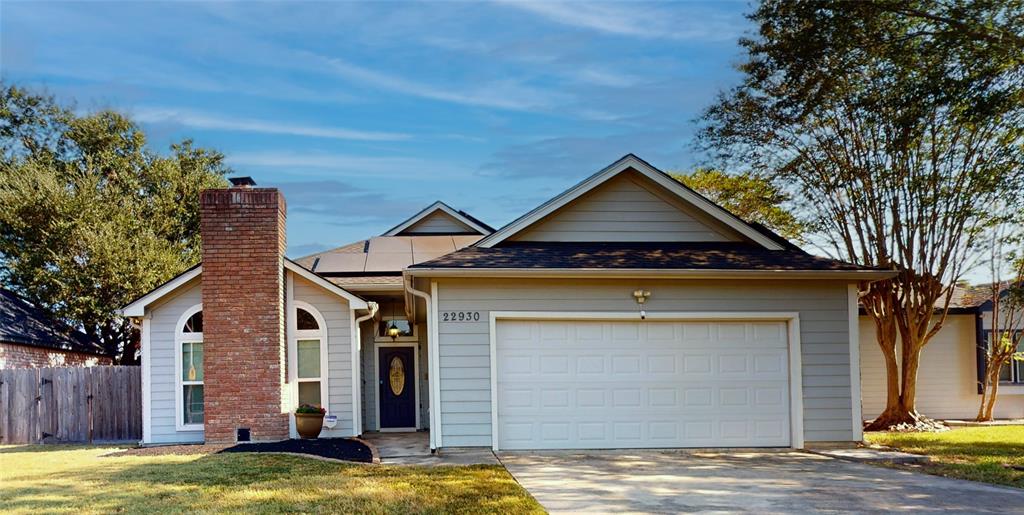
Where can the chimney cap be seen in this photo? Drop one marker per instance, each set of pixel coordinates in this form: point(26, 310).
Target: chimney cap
point(242, 182)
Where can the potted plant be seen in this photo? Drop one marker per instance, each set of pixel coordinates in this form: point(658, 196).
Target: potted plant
point(309, 420)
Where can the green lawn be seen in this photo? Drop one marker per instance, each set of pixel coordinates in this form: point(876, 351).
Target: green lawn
point(976, 453)
point(79, 479)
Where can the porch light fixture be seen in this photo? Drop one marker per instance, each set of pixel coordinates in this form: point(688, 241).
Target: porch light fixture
point(393, 330)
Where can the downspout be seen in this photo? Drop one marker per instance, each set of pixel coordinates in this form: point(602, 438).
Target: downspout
point(356, 365)
point(432, 357)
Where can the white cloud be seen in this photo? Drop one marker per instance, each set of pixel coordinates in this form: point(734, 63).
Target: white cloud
point(350, 165)
point(632, 19)
point(512, 95)
point(206, 121)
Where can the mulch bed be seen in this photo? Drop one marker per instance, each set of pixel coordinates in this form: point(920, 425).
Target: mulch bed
point(333, 448)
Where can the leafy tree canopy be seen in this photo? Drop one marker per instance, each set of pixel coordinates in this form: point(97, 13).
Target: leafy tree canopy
point(898, 125)
point(748, 196)
point(90, 219)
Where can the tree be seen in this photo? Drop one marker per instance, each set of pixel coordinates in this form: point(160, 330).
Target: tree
point(89, 218)
point(895, 125)
point(750, 197)
point(1006, 299)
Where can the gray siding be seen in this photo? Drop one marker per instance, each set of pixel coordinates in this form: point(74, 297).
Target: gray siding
point(465, 347)
point(336, 314)
point(162, 334)
point(623, 209)
point(438, 222)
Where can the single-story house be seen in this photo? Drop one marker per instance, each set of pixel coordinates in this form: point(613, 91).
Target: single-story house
point(952, 365)
point(29, 337)
point(626, 312)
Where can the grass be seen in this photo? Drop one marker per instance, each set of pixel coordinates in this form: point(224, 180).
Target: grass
point(975, 453)
point(79, 479)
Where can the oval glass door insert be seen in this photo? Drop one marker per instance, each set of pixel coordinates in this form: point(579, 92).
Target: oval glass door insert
point(397, 374)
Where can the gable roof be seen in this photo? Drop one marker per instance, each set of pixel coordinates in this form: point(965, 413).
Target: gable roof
point(756, 234)
point(137, 308)
point(25, 324)
point(474, 225)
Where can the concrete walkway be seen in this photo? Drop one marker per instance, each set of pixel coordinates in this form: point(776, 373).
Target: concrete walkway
point(414, 449)
point(761, 482)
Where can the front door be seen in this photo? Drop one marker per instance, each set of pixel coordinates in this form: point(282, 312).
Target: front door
point(397, 388)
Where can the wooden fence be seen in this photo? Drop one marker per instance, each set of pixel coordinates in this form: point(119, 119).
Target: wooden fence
point(70, 404)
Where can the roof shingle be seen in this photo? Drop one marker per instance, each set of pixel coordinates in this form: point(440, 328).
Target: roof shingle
point(682, 256)
point(23, 323)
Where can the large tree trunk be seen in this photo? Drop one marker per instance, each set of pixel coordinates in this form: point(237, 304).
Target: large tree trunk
point(908, 395)
point(886, 335)
point(989, 389)
point(912, 326)
point(986, 392)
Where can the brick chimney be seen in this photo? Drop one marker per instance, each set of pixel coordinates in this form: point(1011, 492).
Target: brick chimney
point(243, 233)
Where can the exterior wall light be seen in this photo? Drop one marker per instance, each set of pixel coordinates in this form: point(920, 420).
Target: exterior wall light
point(641, 296)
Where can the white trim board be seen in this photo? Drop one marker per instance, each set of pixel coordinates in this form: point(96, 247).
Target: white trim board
point(856, 406)
point(146, 347)
point(792, 319)
point(434, 362)
point(431, 209)
point(377, 346)
point(357, 393)
point(626, 163)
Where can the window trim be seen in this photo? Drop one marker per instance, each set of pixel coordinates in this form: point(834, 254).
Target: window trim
point(181, 338)
point(387, 339)
point(294, 335)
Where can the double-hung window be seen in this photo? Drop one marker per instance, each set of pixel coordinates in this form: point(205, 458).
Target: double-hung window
point(310, 362)
point(189, 371)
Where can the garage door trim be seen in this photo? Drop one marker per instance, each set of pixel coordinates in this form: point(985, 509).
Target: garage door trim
point(792, 320)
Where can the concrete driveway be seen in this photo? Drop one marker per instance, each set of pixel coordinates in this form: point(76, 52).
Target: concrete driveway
point(762, 482)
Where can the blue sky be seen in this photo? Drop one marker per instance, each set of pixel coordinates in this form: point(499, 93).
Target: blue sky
point(363, 113)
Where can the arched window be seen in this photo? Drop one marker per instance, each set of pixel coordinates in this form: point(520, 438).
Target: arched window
point(189, 413)
point(194, 324)
point(305, 320)
point(308, 348)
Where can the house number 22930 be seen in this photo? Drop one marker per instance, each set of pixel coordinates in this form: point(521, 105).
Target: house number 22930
point(460, 316)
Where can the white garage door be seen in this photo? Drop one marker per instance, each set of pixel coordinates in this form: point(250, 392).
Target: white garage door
point(606, 385)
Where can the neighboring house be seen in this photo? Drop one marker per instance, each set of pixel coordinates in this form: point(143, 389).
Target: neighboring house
point(628, 311)
point(30, 338)
point(952, 365)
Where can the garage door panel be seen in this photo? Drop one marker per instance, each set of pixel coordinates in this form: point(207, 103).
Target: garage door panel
point(564, 384)
point(658, 363)
point(627, 433)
